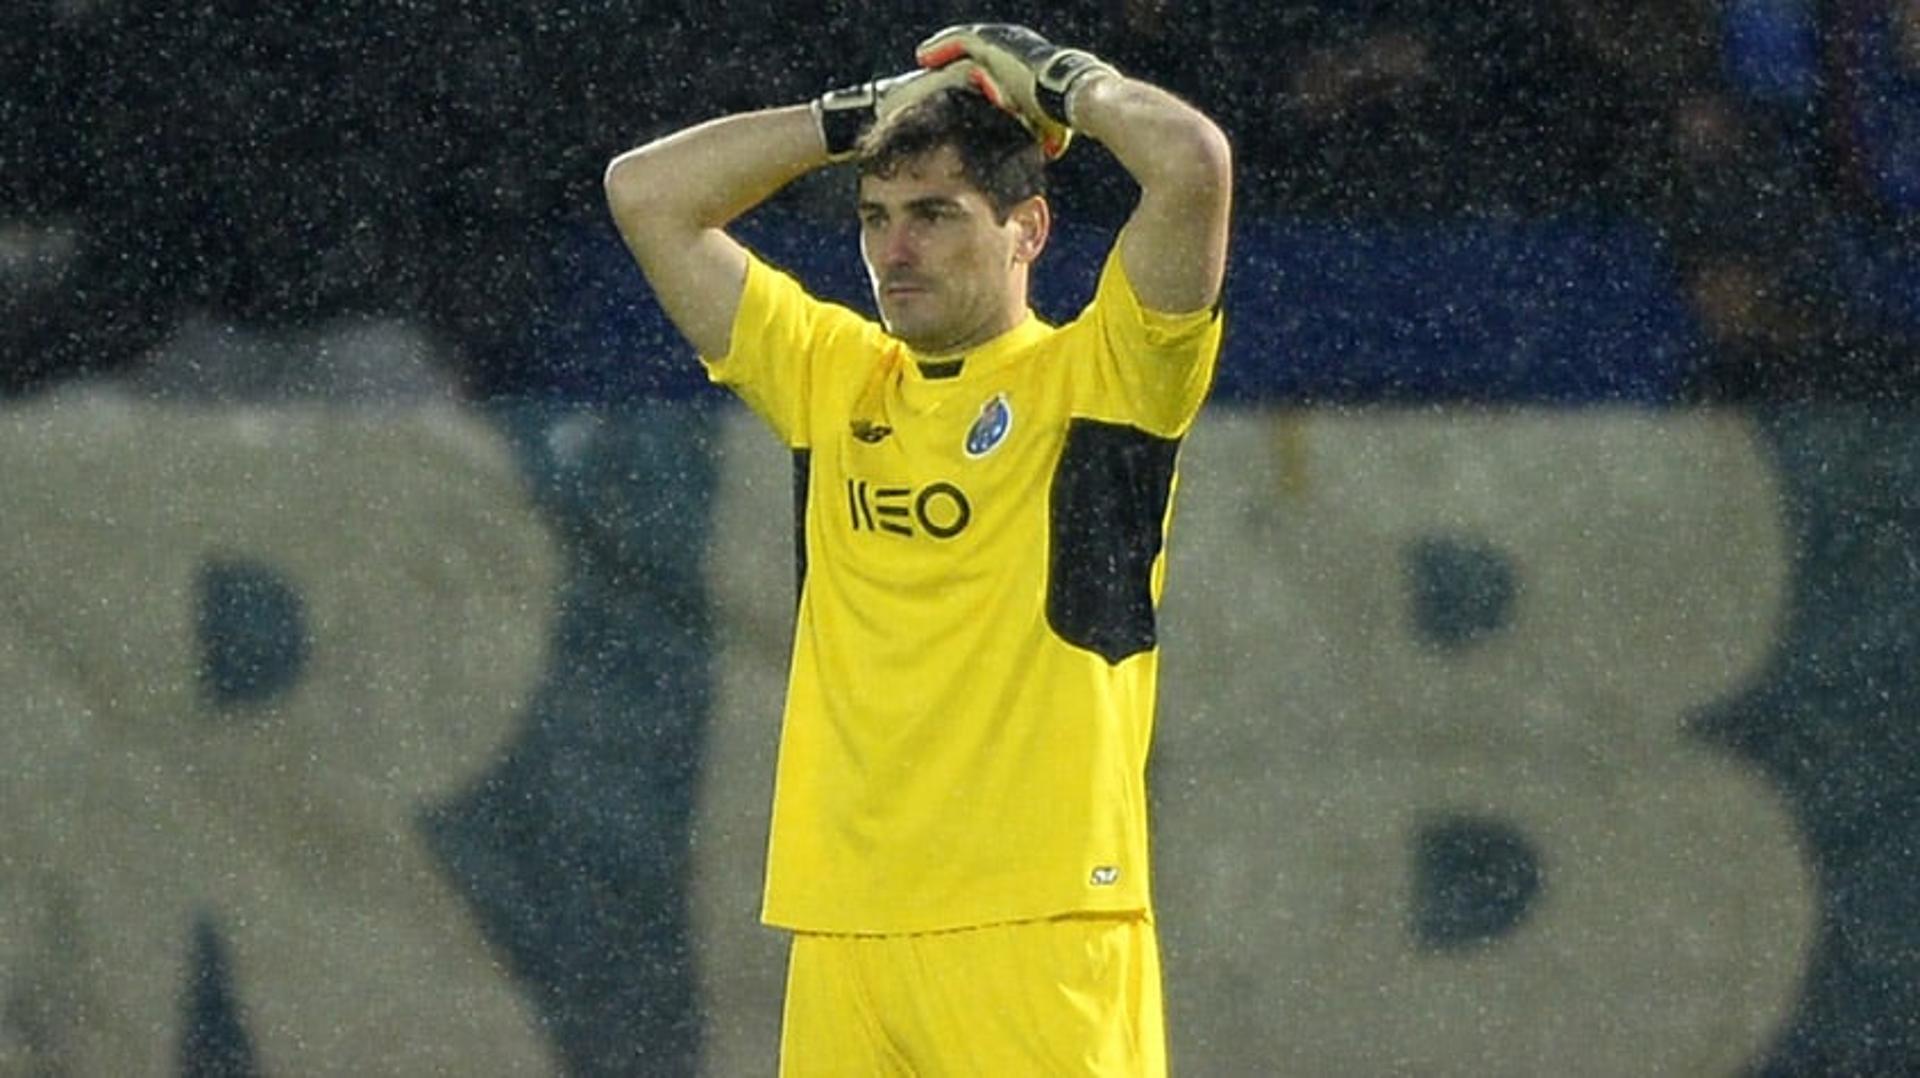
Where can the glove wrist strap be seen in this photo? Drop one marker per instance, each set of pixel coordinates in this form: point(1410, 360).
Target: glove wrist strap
point(843, 116)
point(1062, 74)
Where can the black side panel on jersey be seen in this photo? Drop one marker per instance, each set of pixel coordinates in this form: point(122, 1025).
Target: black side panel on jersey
point(1109, 504)
point(802, 468)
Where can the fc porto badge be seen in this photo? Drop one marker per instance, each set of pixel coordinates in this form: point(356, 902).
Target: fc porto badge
point(990, 429)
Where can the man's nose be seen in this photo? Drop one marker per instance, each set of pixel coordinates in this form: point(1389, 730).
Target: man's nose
point(897, 247)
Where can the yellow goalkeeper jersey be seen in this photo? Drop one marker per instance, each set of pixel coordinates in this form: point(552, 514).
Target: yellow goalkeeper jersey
point(981, 543)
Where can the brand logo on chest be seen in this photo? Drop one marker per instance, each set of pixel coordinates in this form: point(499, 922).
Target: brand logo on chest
point(938, 510)
point(866, 430)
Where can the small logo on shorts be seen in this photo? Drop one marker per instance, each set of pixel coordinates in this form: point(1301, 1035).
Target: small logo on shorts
point(1104, 875)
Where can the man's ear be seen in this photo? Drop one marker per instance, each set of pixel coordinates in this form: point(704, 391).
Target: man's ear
point(1033, 223)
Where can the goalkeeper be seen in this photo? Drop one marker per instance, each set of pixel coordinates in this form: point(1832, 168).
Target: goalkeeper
point(959, 827)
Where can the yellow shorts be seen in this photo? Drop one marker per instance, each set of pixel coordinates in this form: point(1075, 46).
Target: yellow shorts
point(1071, 996)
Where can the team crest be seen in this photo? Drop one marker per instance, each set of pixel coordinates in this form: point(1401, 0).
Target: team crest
point(990, 429)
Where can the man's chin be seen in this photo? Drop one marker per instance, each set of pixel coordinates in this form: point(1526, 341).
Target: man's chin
point(910, 330)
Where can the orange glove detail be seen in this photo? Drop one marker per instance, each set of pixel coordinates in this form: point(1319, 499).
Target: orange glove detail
point(1020, 71)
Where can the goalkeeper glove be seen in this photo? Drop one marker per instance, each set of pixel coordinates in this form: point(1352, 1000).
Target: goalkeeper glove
point(1024, 73)
point(845, 114)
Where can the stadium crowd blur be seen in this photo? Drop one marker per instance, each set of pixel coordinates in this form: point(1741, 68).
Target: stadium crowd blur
point(421, 159)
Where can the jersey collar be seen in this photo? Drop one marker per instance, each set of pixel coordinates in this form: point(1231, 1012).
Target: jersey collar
point(989, 356)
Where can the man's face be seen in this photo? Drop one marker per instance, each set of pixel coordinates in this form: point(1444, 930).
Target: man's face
point(946, 274)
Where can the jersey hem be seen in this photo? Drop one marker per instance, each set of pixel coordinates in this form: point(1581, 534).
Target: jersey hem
point(915, 927)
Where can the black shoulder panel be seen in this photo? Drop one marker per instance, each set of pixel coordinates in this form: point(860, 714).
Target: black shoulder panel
point(1109, 506)
point(802, 469)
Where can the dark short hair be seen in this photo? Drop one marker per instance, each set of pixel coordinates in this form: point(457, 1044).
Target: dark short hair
point(998, 154)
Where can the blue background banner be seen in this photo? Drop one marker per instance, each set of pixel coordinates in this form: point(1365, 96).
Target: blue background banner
point(1564, 311)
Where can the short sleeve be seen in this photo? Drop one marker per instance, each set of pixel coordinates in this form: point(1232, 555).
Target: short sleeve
point(1152, 369)
point(779, 334)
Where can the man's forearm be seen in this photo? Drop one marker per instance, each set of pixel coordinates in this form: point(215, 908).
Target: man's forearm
point(1175, 243)
point(673, 198)
point(709, 174)
point(1162, 141)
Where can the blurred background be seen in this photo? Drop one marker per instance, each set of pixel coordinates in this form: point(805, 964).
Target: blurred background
point(393, 614)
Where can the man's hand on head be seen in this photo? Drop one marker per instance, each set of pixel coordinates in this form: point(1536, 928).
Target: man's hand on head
point(1020, 71)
